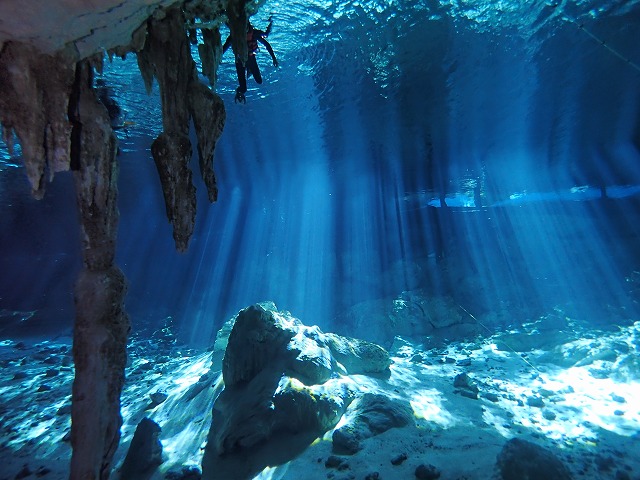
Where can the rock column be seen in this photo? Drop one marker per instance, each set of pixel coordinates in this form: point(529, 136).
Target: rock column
point(102, 325)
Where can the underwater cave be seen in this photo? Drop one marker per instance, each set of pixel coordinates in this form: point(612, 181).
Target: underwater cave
point(408, 249)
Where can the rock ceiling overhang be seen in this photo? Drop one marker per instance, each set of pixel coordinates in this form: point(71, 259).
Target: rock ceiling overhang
point(82, 27)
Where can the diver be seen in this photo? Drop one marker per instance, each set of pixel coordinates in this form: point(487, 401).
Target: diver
point(251, 68)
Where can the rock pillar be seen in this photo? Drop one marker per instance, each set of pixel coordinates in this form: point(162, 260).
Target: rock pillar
point(101, 328)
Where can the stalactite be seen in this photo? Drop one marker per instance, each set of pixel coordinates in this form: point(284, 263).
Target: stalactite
point(35, 91)
point(166, 56)
point(210, 52)
point(237, 15)
point(171, 153)
point(209, 117)
point(102, 325)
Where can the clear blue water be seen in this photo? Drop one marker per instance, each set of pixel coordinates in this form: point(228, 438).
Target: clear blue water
point(463, 173)
point(332, 176)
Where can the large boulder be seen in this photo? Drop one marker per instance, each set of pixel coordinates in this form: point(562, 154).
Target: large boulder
point(522, 460)
point(285, 384)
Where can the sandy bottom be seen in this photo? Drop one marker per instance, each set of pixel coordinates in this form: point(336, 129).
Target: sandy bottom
point(577, 394)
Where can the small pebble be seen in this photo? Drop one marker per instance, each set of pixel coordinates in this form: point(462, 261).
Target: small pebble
point(158, 397)
point(64, 410)
point(543, 392)
point(398, 459)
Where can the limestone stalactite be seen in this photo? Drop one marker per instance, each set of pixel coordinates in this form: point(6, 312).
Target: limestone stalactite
point(49, 102)
point(102, 325)
point(166, 56)
point(209, 115)
point(237, 15)
point(210, 52)
point(35, 91)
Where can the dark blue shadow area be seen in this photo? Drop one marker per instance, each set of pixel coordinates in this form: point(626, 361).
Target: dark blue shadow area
point(39, 255)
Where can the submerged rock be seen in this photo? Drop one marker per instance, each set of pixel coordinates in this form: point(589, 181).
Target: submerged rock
point(185, 473)
point(520, 460)
point(466, 386)
point(145, 452)
point(427, 472)
point(535, 401)
point(284, 387)
point(399, 459)
point(372, 414)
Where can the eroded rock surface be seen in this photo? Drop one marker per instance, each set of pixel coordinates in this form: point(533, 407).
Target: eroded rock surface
point(413, 313)
point(285, 385)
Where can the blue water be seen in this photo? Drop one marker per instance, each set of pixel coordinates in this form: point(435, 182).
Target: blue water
point(461, 148)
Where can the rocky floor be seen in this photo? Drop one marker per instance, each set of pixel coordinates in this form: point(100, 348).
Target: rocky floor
point(574, 392)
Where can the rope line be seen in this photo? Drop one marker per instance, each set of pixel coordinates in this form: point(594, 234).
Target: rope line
point(505, 343)
point(597, 39)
